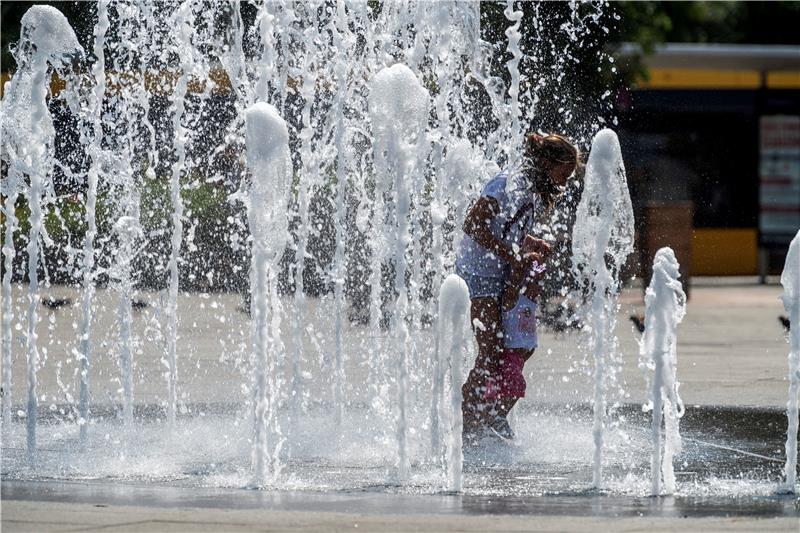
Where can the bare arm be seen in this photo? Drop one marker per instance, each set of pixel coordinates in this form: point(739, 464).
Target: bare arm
point(520, 280)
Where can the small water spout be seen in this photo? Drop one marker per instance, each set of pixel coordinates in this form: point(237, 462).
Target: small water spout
point(128, 231)
point(790, 279)
point(269, 162)
point(665, 307)
point(602, 239)
point(452, 326)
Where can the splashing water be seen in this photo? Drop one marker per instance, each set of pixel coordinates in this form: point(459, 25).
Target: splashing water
point(354, 135)
point(46, 39)
point(398, 107)
point(602, 239)
point(94, 151)
point(665, 307)
point(790, 279)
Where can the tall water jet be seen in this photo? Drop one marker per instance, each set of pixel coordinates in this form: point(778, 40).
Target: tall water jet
point(94, 152)
point(46, 38)
point(665, 307)
point(343, 41)
point(441, 54)
point(513, 49)
point(308, 168)
point(790, 279)
point(9, 204)
point(398, 107)
point(270, 166)
point(453, 318)
point(602, 239)
point(127, 230)
point(12, 189)
point(450, 193)
point(183, 25)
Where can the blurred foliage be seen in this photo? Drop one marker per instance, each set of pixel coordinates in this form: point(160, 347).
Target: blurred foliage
point(64, 219)
point(201, 200)
point(650, 23)
point(67, 215)
point(646, 23)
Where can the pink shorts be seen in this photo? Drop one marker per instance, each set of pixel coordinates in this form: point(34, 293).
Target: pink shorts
point(508, 383)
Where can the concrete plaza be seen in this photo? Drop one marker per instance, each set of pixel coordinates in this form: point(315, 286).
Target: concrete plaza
point(732, 353)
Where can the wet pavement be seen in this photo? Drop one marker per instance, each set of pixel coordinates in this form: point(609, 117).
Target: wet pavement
point(585, 503)
point(729, 455)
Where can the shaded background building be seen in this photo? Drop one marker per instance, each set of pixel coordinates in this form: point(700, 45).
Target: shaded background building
point(713, 132)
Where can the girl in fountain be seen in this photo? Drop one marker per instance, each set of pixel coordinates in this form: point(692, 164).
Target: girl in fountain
point(495, 229)
point(507, 384)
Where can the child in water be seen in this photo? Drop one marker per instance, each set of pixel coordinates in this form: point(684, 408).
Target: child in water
point(507, 384)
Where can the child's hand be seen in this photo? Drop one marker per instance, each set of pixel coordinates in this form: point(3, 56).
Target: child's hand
point(533, 245)
point(532, 290)
point(530, 260)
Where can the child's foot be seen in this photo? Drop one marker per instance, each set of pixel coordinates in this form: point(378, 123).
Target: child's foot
point(500, 428)
point(473, 435)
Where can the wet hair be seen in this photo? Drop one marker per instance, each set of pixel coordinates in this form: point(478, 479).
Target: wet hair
point(542, 152)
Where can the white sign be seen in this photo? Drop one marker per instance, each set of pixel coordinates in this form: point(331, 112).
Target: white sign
point(779, 171)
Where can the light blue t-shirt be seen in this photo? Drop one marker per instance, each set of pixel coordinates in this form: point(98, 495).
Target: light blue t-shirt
point(519, 325)
point(517, 204)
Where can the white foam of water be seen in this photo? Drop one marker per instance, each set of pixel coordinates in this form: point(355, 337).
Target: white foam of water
point(665, 307)
point(46, 35)
point(605, 189)
point(552, 453)
point(790, 279)
point(204, 447)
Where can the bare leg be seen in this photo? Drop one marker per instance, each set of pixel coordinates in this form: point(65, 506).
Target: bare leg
point(485, 314)
point(504, 406)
